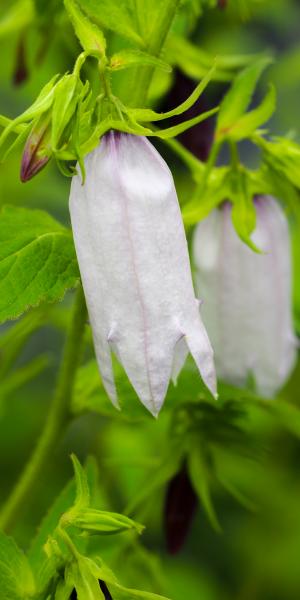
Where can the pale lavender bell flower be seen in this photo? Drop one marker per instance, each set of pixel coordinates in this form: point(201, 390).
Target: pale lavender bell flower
point(134, 264)
point(247, 296)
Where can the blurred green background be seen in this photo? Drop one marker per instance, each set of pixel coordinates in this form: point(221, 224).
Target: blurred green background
point(257, 554)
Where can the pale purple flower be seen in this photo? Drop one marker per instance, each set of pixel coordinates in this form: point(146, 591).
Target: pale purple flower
point(135, 269)
point(247, 296)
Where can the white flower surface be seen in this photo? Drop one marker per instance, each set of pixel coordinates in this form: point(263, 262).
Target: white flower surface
point(247, 296)
point(135, 269)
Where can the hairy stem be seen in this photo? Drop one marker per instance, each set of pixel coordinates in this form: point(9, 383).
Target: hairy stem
point(57, 418)
point(143, 75)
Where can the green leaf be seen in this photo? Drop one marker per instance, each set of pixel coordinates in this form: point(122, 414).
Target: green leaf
point(243, 210)
point(64, 105)
point(282, 155)
point(82, 577)
point(86, 572)
point(118, 591)
point(90, 36)
point(199, 472)
point(82, 499)
point(133, 58)
point(115, 15)
point(181, 127)
point(194, 61)
point(249, 122)
point(217, 188)
point(237, 99)
point(46, 567)
point(37, 260)
point(40, 105)
point(16, 578)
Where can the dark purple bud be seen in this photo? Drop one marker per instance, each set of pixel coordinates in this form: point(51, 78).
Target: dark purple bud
point(105, 591)
point(73, 595)
point(180, 507)
point(222, 4)
point(37, 151)
point(20, 72)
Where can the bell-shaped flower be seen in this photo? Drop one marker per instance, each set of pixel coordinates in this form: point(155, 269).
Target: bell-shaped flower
point(134, 264)
point(247, 296)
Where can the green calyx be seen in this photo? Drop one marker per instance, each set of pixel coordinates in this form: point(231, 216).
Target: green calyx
point(73, 112)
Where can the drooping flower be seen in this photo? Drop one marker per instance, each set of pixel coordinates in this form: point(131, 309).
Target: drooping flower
point(135, 270)
point(247, 296)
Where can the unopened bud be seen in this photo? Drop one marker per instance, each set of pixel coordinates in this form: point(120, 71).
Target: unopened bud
point(37, 151)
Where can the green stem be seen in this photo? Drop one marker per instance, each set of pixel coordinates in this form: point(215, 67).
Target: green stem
point(200, 188)
point(57, 418)
point(194, 164)
point(235, 162)
point(143, 75)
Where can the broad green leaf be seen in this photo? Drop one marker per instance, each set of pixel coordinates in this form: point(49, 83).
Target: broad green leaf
point(249, 122)
point(148, 14)
point(90, 36)
point(200, 478)
point(16, 578)
point(119, 16)
point(37, 260)
point(237, 99)
point(133, 58)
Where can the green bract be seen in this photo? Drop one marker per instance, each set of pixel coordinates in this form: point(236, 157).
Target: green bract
point(70, 115)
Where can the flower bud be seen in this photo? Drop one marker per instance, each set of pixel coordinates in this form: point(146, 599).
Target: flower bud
point(37, 151)
point(180, 506)
point(247, 296)
point(135, 269)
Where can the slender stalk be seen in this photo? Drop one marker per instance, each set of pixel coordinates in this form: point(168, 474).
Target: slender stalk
point(143, 75)
point(201, 186)
point(57, 418)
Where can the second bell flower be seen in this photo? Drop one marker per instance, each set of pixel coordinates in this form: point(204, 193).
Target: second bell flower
point(247, 296)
